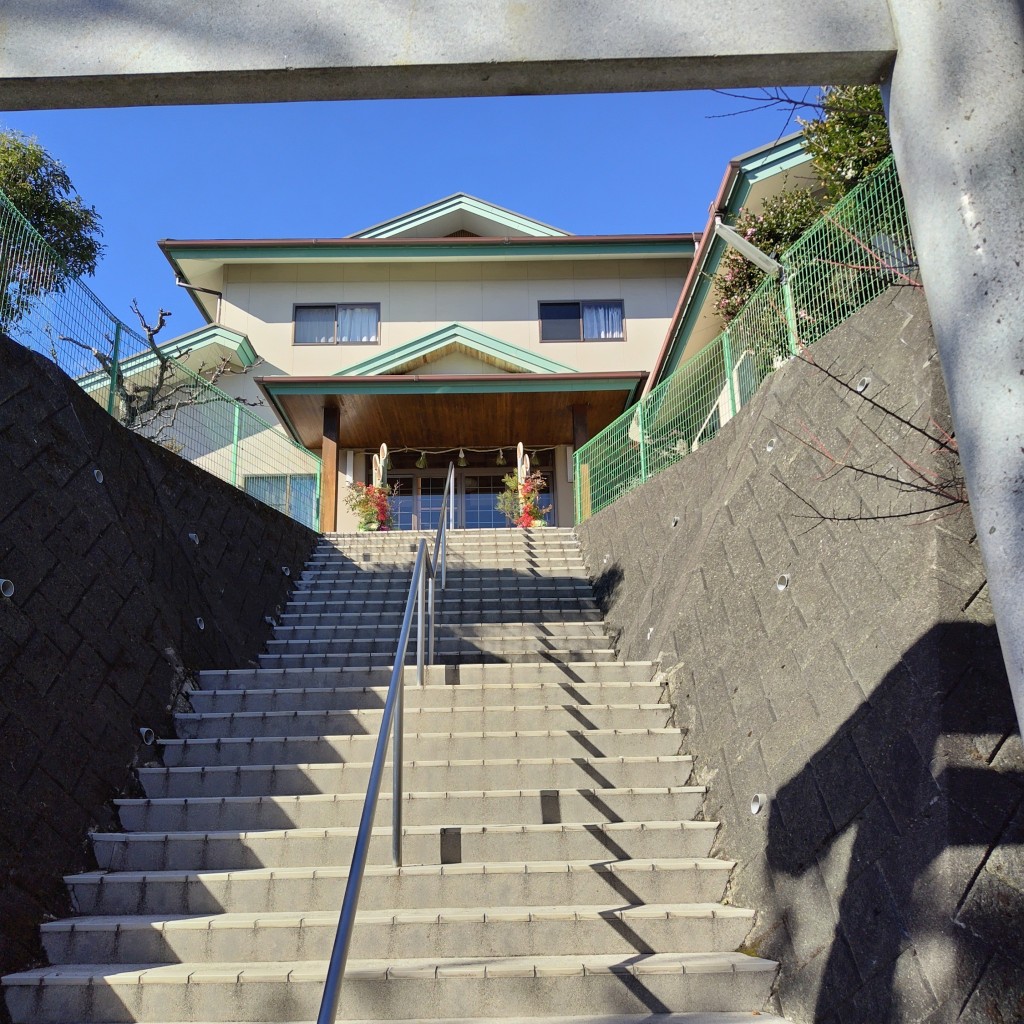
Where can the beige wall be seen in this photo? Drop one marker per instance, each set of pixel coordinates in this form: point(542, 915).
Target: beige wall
point(499, 299)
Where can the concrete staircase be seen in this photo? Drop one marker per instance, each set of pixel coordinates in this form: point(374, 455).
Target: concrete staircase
point(554, 865)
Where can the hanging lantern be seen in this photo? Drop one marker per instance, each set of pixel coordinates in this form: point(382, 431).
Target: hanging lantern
point(462, 458)
point(421, 462)
point(387, 463)
point(500, 460)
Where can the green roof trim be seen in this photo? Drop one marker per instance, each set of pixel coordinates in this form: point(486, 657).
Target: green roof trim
point(514, 248)
point(751, 168)
point(187, 344)
point(400, 385)
point(508, 219)
point(453, 335)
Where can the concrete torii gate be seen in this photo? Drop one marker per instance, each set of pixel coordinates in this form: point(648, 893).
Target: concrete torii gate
point(952, 72)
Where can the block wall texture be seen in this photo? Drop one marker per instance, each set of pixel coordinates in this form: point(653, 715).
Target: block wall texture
point(867, 699)
point(101, 633)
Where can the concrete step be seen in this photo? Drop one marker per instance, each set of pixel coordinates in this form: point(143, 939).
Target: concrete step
point(431, 987)
point(429, 696)
point(391, 628)
point(422, 747)
point(422, 844)
point(492, 718)
point(514, 585)
point(456, 932)
point(563, 598)
point(527, 672)
point(685, 1017)
point(509, 638)
point(443, 776)
point(537, 613)
point(481, 560)
point(535, 883)
point(459, 807)
point(463, 653)
point(457, 539)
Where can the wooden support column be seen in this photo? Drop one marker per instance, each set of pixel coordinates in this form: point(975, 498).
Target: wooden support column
point(329, 475)
point(580, 433)
point(580, 436)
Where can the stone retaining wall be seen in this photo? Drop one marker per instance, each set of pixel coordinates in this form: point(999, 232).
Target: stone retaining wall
point(101, 631)
point(867, 699)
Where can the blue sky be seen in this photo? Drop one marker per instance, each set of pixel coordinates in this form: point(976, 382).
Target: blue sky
point(644, 162)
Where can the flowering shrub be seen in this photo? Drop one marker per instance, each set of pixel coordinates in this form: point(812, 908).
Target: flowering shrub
point(850, 138)
point(371, 505)
point(846, 143)
point(520, 503)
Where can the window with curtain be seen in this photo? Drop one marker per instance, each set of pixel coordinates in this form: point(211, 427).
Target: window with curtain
point(582, 321)
point(346, 323)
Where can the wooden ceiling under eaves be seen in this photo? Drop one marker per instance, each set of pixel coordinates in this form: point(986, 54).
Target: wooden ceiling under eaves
point(450, 420)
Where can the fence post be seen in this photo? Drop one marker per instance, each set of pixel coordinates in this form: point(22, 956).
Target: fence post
point(787, 302)
point(727, 359)
point(643, 441)
point(115, 355)
point(234, 447)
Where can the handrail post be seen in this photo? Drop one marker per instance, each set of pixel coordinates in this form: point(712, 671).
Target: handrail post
point(420, 609)
point(430, 616)
point(397, 761)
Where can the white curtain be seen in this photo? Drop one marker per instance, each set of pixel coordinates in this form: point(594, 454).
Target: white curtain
point(314, 325)
point(357, 323)
point(602, 320)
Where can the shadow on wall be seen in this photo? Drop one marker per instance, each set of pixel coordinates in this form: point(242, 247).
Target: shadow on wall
point(925, 775)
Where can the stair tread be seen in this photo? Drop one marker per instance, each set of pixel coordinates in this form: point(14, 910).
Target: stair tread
point(381, 970)
point(498, 762)
point(453, 794)
point(709, 1017)
point(450, 710)
point(453, 915)
point(640, 865)
point(408, 830)
point(412, 736)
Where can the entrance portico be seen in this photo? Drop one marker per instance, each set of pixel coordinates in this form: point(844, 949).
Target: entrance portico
point(482, 414)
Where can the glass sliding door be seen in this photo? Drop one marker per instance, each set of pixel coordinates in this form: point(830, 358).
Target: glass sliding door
point(479, 501)
point(417, 504)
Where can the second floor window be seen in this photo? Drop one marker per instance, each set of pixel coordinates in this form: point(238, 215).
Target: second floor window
point(581, 321)
point(346, 323)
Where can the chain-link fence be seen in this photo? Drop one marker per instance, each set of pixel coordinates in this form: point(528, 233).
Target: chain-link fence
point(46, 309)
point(851, 255)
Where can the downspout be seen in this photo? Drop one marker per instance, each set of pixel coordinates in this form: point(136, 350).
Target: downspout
point(206, 291)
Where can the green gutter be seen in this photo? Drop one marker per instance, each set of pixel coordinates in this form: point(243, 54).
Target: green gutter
point(565, 250)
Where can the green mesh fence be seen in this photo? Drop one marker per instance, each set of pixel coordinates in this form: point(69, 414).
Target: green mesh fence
point(851, 255)
point(45, 309)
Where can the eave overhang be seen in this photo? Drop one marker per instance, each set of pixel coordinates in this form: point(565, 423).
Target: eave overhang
point(748, 180)
point(448, 410)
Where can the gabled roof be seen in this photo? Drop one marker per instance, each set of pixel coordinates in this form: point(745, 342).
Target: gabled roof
point(749, 179)
point(203, 348)
point(454, 338)
point(460, 214)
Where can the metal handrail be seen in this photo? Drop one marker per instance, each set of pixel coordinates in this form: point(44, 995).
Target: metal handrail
point(445, 522)
point(424, 570)
point(392, 714)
